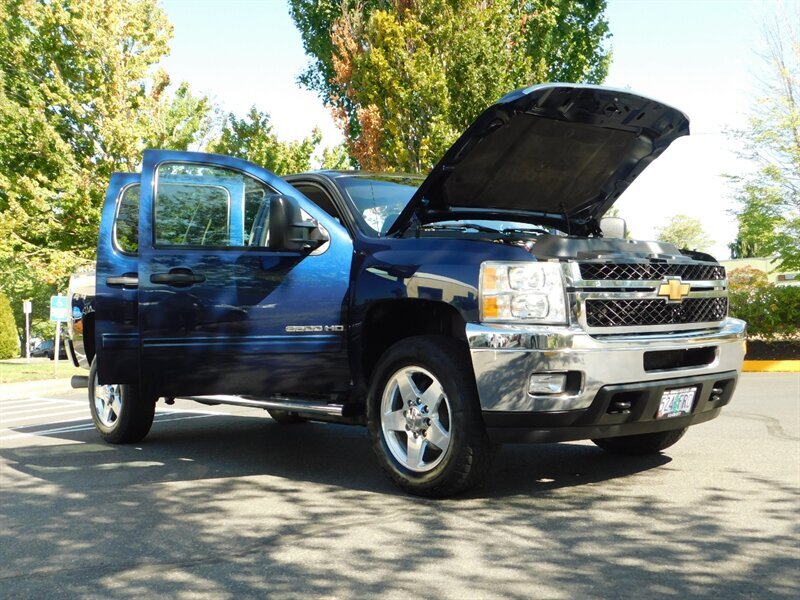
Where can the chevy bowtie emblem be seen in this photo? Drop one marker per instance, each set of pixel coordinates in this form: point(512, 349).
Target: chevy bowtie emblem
point(674, 289)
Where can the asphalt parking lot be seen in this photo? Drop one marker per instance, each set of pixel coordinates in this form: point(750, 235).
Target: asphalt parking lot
point(225, 503)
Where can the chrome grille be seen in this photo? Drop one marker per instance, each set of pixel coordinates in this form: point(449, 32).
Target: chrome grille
point(650, 271)
point(646, 312)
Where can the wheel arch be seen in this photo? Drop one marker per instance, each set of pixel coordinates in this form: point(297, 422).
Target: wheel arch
point(386, 322)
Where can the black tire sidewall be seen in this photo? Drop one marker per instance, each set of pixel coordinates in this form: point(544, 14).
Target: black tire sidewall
point(440, 356)
point(136, 416)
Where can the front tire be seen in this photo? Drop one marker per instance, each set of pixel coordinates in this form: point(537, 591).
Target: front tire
point(424, 418)
point(645, 443)
point(120, 414)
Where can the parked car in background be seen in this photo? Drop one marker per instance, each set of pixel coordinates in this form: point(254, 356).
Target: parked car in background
point(47, 349)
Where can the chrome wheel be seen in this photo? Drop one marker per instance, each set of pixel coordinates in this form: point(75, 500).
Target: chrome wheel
point(416, 419)
point(108, 404)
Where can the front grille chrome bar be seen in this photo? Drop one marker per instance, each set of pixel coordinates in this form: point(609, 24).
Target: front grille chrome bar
point(607, 305)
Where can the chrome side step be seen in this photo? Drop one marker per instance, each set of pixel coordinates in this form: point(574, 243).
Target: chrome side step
point(313, 407)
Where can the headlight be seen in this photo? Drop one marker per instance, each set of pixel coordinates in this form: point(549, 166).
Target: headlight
point(522, 291)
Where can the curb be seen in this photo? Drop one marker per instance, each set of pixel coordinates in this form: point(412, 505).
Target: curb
point(771, 366)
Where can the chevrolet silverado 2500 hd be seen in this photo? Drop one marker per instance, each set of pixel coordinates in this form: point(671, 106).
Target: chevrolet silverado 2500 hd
point(480, 305)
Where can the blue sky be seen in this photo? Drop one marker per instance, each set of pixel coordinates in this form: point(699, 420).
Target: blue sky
point(700, 56)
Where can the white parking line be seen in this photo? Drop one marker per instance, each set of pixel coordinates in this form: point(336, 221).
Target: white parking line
point(16, 404)
point(72, 411)
point(33, 410)
point(59, 421)
point(161, 417)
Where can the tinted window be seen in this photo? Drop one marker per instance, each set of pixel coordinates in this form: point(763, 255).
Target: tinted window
point(192, 215)
point(378, 201)
point(198, 205)
point(319, 197)
point(126, 228)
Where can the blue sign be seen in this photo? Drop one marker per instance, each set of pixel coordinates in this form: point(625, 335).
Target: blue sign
point(58, 308)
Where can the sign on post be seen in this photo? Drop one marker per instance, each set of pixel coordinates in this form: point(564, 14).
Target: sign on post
point(58, 313)
point(58, 308)
point(27, 308)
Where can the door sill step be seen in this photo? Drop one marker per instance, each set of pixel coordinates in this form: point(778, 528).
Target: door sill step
point(308, 407)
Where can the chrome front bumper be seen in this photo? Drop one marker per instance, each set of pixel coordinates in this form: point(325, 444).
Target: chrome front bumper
point(505, 356)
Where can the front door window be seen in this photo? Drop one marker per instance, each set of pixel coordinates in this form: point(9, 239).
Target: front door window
point(210, 207)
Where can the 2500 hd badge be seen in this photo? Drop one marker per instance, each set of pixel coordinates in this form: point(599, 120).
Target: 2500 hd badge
point(486, 303)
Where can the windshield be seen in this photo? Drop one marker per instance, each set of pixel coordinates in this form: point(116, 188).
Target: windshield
point(378, 200)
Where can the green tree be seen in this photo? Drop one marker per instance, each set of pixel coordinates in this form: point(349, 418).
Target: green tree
point(336, 158)
point(685, 232)
point(405, 77)
point(769, 199)
point(78, 101)
point(253, 139)
point(9, 339)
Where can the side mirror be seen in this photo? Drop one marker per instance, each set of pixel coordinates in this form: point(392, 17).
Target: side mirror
point(613, 227)
point(288, 230)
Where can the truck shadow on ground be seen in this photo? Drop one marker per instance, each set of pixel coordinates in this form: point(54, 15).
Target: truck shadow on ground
point(242, 507)
point(337, 455)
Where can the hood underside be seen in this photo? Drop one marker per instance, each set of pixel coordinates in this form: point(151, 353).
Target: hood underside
point(555, 154)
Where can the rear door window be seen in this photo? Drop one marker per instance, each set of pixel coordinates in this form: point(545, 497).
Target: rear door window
point(126, 226)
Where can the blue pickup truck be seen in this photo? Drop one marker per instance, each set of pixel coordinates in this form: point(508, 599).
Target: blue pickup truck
point(486, 303)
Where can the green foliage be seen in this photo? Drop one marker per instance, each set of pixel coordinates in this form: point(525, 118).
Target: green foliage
point(759, 218)
point(770, 311)
point(252, 139)
point(9, 340)
point(769, 199)
point(685, 232)
point(405, 77)
point(78, 101)
point(177, 122)
point(315, 19)
point(336, 158)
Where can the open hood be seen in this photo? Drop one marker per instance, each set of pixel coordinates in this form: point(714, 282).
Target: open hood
point(553, 154)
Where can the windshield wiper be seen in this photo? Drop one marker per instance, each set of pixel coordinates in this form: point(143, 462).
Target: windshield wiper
point(525, 230)
point(461, 227)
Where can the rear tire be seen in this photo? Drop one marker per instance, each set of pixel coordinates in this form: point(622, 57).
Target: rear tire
point(285, 417)
point(120, 414)
point(424, 417)
point(646, 443)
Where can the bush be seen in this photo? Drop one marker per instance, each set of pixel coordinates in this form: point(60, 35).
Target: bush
point(9, 341)
point(770, 311)
point(747, 279)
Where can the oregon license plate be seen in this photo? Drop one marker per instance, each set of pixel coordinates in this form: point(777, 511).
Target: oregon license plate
point(677, 402)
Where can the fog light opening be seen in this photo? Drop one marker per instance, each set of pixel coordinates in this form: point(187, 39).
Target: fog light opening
point(547, 383)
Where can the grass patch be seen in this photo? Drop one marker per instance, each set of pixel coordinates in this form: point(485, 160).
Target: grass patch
point(15, 372)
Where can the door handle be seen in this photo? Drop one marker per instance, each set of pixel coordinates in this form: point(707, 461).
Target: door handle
point(129, 280)
point(177, 277)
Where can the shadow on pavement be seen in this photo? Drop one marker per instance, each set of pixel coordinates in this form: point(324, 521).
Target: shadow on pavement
point(241, 507)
